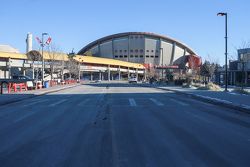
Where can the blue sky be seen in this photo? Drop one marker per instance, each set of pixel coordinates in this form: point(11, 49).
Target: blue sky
point(75, 23)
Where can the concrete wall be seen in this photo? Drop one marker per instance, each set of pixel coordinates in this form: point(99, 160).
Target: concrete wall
point(120, 48)
point(167, 51)
point(106, 49)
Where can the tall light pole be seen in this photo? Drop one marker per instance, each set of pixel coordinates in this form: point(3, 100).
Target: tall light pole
point(42, 44)
point(161, 49)
point(225, 14)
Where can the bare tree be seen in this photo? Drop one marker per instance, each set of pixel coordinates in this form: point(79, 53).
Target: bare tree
point(55, 55)
point(72, 66)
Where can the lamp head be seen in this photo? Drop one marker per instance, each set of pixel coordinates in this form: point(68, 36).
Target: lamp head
point(221, 14)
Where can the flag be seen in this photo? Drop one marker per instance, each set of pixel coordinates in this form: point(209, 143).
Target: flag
point(221, 14)
point(48, 41)
point(38, 40)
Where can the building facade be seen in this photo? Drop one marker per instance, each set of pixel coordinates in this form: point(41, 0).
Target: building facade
point(139, 47)
point(239, 70)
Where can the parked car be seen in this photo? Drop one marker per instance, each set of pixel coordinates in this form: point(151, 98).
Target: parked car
point(22, 77)
point(133, 80)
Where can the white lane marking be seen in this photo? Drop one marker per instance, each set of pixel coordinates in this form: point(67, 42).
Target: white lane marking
point(198, 117)
point(58, 102)
point(83, 102)
point(156, 102)
point(23, 117)
point(39, 101)
point(201, 102)
point(179, 102)
point(132, 102)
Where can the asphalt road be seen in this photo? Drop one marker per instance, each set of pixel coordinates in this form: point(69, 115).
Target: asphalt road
point(122, 126)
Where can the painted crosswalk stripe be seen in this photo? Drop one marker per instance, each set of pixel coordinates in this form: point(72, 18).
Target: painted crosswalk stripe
point(132, 102)
point(56, 103)
point(32, 103)
point(179, 102)
point(156, 102)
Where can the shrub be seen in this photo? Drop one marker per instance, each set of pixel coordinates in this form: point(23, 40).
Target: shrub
point(210, 86)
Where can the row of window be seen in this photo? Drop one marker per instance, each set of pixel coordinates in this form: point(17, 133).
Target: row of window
point(136, 56)
point(136, 37)
point(136, 51)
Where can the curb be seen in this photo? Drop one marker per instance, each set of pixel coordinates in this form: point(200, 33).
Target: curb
point(207, 99)
point(35, 95)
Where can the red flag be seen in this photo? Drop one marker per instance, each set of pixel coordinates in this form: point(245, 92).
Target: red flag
point(48, 41)
point(38, 40)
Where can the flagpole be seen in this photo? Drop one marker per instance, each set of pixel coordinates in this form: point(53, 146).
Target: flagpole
point(43, 58)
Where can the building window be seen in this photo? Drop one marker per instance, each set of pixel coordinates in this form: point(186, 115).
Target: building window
point(147, 50)
point(141, 50)
point(120, 51)
point(136, 56)
point(121, 56)
point(131, 56)
point(136, 37)
point(131, 37)
point(125, 56)
point(115, 51)
point(156, 51)
point(152, 56)
point(116, 56)
point(141, 56)
point(156, 56)
point(152, 51)
point(136, 50)
point(125, 51)
point(147, 56)
point(131, 50)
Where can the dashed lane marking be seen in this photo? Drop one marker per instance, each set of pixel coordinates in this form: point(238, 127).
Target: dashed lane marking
point(132, 102)
point(83, 102)
point(156, 102)
point(58, 102)
point(32, 103)
point(179, 102)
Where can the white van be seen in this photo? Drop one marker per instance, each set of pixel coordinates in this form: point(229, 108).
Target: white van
point(132, 80)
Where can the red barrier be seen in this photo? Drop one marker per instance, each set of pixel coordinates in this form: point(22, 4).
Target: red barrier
point(39, 85)
point(17, 87)
point(53, 83)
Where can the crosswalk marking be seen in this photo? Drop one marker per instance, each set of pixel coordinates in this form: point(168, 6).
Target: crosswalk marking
point(156, 102)
point(58, 102)
point(38, 101)
point(83, 102)
point(132, 102)
point(179, 102)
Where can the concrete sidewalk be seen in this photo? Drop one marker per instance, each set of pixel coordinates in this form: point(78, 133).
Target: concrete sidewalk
point(18, 96)
point(239, 102)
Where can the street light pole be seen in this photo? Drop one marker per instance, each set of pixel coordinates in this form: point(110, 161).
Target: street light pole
point(226, 80)
point(43, 34)
point(161, 62)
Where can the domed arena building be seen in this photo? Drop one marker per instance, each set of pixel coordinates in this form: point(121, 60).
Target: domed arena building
point(142, 47)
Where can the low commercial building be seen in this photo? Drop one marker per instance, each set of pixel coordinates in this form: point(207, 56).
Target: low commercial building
point(238, 71)
point(87, 67)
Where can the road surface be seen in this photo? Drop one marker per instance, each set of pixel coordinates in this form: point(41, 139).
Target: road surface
point(121, 126)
